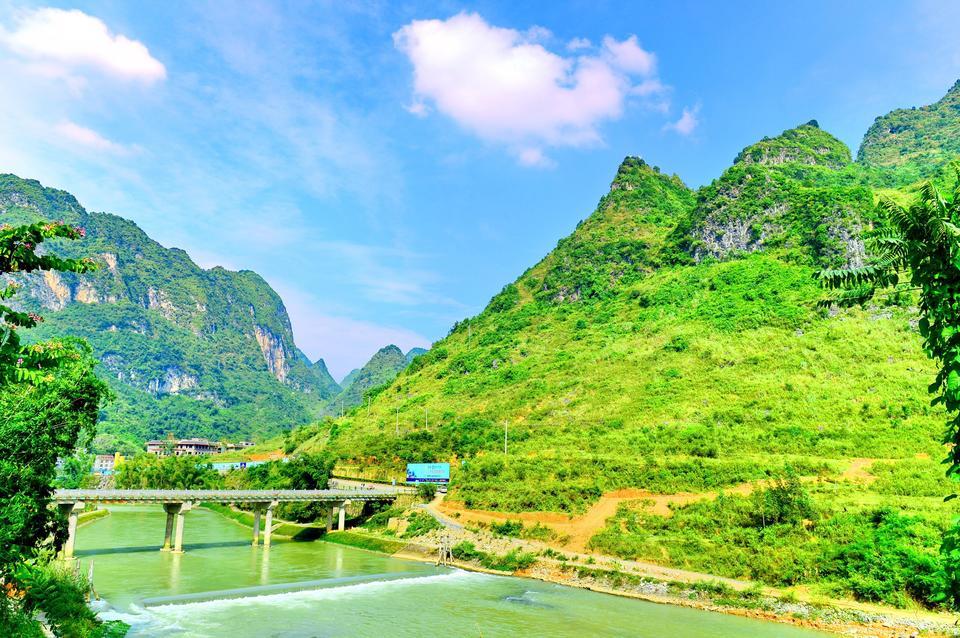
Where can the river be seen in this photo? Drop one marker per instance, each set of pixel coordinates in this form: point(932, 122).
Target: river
point(221, 586)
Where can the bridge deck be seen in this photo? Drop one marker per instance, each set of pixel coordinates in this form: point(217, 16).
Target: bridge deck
point(224, 496)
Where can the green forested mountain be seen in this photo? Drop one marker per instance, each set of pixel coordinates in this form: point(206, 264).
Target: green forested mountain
point(190, 351)
point(674, 343)
point(650, 349)
point(382, 368)
point(915, 141)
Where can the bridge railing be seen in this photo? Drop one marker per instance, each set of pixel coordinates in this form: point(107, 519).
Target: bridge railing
point(226, 496)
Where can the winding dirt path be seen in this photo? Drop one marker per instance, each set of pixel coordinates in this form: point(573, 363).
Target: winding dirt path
point(577, 530)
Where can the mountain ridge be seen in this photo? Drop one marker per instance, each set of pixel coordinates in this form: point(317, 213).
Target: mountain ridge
point(214, 347)
point(645, 352)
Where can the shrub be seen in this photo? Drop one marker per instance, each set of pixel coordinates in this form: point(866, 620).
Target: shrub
point(426, 491)
point(420, 524)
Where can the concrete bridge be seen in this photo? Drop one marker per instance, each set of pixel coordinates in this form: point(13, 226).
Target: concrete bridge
point(176, 503)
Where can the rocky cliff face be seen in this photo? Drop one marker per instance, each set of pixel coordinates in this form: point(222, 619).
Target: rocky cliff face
point(273, 351)
point(797, 192)
point(164, 327)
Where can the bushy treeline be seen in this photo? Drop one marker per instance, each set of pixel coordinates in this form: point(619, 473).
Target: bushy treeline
point(298, 472)
point(152, 472)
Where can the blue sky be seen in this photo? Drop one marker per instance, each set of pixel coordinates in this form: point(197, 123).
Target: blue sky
point(388, 167)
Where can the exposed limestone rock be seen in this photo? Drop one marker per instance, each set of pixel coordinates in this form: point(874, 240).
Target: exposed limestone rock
point(86, 293)
point(273, 352)
point(174, 381)
point(110, 260)
point(159, 300)
point(59, 291)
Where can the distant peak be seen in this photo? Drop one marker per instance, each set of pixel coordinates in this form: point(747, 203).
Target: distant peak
point(804, 144)
point(632, 171)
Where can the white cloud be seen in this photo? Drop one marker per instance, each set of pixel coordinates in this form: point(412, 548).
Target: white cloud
point(579, 43)
point(687, 123)
point(418, 108)
point(62, 41)
point(83, 136)
point(629, 55)
point(533, 157)
point(505, 87)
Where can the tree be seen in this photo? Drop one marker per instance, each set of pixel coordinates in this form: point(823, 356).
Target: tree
point(49, 399)
point(74, 471)
point(149, 471)
point(18, 254)
point(922, 243)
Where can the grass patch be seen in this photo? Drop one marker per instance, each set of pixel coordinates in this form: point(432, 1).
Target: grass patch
point(512, 561)
point(363, 541)
point(89, 517)
point(420, 524)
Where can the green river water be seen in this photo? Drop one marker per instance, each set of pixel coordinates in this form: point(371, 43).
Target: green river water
point(221, 586)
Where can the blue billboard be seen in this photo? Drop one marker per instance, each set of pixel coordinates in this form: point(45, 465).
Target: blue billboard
point(428, 472)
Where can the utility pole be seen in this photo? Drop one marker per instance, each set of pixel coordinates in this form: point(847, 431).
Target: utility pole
point(341, 408)
point(398, 420)
point(426, 417)
point(505, 437)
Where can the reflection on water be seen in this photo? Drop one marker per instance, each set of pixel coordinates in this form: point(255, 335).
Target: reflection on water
point(221, 586)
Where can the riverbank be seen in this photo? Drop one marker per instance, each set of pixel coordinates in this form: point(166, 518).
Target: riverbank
point(495, 554)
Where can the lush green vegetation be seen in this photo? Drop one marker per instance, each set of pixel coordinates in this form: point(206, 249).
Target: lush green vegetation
point(512, 561)
point(49, 402)
point(915, 142)
point(190, 351)
point(419, 524)
point(796, 195)
point(364, 383)
point(782, 535)
point(300, 472)
point(675, 342)
point(363, 541)
point(152, 472)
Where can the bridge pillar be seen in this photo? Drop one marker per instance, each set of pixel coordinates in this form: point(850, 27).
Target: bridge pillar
point(268, 527)
point(257, 510)
point(178, 537)
point(71, 511)
point(342, 522)
point(171, 510)
point(330, 518)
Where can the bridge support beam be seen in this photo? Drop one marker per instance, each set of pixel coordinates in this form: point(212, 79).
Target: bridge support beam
point(178, 536)
point(342, 521)
point(71, 511)
point(171, 509)
point(268, 526)
point(256, 524)
point(330, 512)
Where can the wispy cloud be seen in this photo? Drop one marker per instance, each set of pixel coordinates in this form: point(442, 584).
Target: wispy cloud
point(87, 137)
point(505, 86)
point(688, 122)
point(65, 41)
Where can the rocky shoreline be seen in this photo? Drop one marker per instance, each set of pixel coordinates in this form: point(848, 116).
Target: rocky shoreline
point(612, 577)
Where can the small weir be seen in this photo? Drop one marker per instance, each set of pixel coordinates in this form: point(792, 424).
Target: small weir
point(279, 588)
